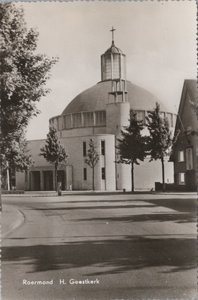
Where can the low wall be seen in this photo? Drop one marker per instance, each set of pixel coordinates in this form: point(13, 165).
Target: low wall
point(171, 187)
point(12, 192)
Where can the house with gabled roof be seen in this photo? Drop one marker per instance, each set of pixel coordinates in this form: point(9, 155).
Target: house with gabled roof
point(185, 147)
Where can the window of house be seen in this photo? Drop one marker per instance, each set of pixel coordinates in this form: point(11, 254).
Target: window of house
point(84, 149)
point(189, 159)
point(181, 155)
point(181, 178)
point(85, 173)
point(103, 173)
point(103, 147)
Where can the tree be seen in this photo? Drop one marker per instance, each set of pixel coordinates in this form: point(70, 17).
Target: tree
point(23, 76)
point(92, 159)
point(132, 145)
point(53, 151)
point(17, 158)
point(159, 140)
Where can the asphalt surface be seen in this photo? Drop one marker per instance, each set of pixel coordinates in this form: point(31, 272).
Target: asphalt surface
point(120, 247)
point(12, 219)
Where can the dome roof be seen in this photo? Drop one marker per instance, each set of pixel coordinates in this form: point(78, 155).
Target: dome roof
point(96, 98)
point(113, 50)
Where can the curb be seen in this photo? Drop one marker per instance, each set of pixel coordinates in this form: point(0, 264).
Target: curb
point(96, 193)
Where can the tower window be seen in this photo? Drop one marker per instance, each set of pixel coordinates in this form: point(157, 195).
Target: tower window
point(84, 149)
point(116, 66)
point(85, 173)
point(103, 147)
point(103, 173)
point(107, 68)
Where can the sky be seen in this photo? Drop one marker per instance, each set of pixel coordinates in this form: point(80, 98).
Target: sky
point(158, 38)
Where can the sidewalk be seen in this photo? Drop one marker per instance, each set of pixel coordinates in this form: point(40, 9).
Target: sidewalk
point(11, 218)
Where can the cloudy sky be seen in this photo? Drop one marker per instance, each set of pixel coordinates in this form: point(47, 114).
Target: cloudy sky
point(158, 38)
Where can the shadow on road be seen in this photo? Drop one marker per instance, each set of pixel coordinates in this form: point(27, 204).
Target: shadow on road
point(107, 256)
point(182, 205)
point(185, 212)
point(92, 207)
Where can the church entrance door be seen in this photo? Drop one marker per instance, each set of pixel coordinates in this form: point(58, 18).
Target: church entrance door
point(35, 181)
point(48, 180)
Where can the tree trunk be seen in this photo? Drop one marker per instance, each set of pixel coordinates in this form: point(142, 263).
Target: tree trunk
point(93, 180)
point(163, 180)
point(0, 186)
point(56, 167)
point(132, 177)
point(8, 176)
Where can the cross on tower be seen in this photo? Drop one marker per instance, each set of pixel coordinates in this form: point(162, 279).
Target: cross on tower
point(112, 30)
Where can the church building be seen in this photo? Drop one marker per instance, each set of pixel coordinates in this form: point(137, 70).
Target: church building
point(98, 113)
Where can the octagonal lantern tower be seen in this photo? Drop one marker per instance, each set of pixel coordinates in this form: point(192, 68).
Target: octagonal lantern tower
point(113, 63)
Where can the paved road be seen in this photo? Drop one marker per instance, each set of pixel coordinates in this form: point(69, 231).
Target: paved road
point(129, 247)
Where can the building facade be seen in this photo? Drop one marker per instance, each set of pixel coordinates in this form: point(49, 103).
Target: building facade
point(99, 113)
point(185, 149)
